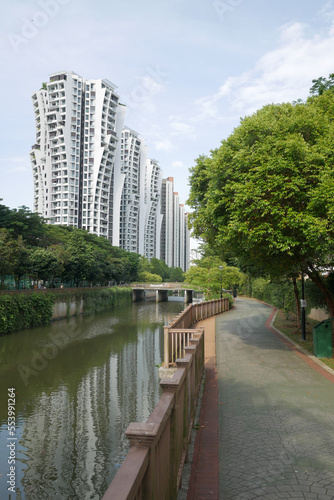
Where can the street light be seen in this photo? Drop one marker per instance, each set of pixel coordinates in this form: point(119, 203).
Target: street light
point(303, 305)
point(221, 281)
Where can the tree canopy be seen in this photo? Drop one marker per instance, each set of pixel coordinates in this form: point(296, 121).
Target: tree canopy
point(212, 275)
point(266, 194)
point(43, 252)
point(320, 85)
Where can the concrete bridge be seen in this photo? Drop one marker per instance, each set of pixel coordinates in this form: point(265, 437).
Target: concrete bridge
point(159, 291)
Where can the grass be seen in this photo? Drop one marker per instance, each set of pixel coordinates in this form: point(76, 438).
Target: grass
point(289, 328)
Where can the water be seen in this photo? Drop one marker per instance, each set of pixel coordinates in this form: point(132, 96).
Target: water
point(78, 384)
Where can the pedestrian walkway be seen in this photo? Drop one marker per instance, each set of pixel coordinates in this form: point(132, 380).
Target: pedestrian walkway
point(274, 417)
point(204, 471)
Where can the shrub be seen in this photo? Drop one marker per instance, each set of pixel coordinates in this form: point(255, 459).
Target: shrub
point(147, 277)
point(25, 311)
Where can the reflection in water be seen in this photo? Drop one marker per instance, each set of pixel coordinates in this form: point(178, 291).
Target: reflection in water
point(79, 383)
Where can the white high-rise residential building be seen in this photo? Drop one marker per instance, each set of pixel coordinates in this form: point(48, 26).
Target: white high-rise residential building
point(153, 216)
point(182, 223)
point(167, 233)
point(140, 203)
point(92, 173)
point(176, 230)
point(76, 158)
point(133, 155)
point(175, 234)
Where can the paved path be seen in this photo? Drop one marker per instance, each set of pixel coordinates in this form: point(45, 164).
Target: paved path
point(276, 414)
point(204, 482)
point(274, 425)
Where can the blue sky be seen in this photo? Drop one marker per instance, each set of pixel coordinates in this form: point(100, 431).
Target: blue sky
point(187, 70)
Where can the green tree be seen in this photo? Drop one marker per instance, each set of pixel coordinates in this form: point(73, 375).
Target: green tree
point(20, 260)
point(80, 258)
point(212, 275)
point(147, 277)
point(7, 255)
point(160, 267)
point(43, 264)
point(267, 193)
point(61, 257)
point(132, 266)
point(145, 265)
point(22, 222)
point(176, 274)
point(321, 85)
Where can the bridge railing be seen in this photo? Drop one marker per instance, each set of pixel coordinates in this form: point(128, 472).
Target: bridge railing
point(177, 285)
point(179, 333)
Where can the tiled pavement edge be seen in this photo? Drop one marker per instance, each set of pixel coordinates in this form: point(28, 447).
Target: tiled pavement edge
point(276, 413)
point(203, 483)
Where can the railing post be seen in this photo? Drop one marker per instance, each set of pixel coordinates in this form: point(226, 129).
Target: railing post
point(166, 346)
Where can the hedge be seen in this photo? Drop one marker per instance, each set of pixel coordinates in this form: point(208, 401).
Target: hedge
point(25, 311)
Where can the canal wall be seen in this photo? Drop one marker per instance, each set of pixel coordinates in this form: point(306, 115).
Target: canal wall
point(28, 308)
point(87, 301)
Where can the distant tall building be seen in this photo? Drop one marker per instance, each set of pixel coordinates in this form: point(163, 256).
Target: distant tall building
point(182, 223)
point(91, 172)
point(175, 235)
point(140, 202)
point(152, 211)
point(133, 156)
point(167, 210)
point(76, 158)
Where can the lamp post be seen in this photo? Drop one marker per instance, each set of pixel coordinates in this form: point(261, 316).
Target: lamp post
point(303, 305)
point(221, 281)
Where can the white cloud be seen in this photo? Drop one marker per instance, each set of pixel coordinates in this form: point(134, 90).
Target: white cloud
point(178, 164)
point(182, 128)
point(152, 85)
point(327, 11)
point(142, 95)
point(164, 145)
point(283, 74)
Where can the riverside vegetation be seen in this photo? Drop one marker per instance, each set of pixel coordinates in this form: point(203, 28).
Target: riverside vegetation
point(33, 251)
point(35, 254)
point(21, 311)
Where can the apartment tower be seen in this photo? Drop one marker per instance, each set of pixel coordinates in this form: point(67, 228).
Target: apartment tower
point(91, 172)
point(175, 234)
point(76, 158)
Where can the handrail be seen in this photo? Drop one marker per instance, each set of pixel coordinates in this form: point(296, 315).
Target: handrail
point(172, 286)
point(158, 447)
point(178, 334)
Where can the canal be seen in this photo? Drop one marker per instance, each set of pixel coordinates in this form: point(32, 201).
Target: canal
point(77, 383)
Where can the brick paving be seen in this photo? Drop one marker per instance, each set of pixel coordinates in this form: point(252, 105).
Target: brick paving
point(275, 416)
point(204, 472)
